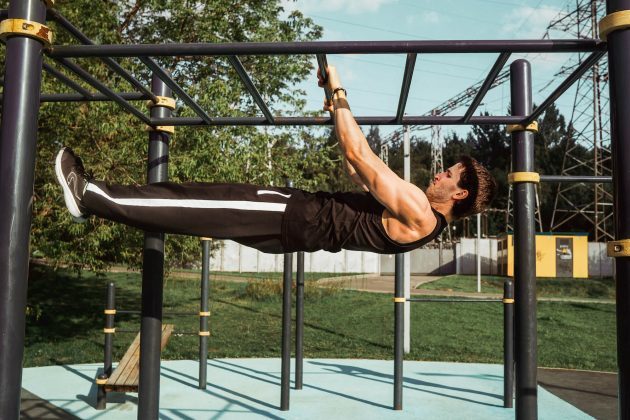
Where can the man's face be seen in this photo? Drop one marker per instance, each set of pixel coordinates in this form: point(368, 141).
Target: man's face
point(444, 187)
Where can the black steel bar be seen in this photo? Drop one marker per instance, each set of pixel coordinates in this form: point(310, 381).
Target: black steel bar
point(524, 248)
point(508, 344)
point(455, 300)
point(20, 105)
point(322, 64)
point(382, 120)
point(299, 322)
point(110, 308)
point(153, 274)
point(399, 325)
point(76, 69)
point(112, 64)
point(4, 13)
point(329, 47)
point(96, 97)
point(181, 94)
point(618, 70)
point(406, 84)
point(487, 84)
point(67, 81)
point(286, 330)
point(566, 84)
point(249, 84)
point(164, 313)
point(576, 178)
point(203, 316)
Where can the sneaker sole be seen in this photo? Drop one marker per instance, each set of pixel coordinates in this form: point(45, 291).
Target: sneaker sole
point(71, 204)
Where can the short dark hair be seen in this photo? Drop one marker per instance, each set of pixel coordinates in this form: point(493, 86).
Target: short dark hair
point(479, 183)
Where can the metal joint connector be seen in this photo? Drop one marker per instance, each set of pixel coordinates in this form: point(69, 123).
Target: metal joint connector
point(619, 248)
point(206, 239)
point(204, 333)
point(399, 300)
point(163, 128)
point(27, 28)
point(516, 177)
point(109, 330)
point(164, 101)
point(109, 311)
point(613, 22)
point(204, 313)
point(508, 300)
point(532, 126)
point(101, 381)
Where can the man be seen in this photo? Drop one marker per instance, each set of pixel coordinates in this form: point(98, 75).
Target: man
point(390, 216)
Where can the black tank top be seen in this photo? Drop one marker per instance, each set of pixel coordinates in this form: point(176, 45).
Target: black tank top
point(342, 220)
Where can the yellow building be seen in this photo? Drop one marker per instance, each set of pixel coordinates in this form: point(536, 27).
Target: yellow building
point(557, 255)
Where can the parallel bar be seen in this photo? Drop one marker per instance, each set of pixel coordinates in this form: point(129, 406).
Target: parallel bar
point(18, 145)
point(566, 84)
point(399, 338)
point(203, 320)
point(455, 300)
point(508, 345)
point(382, 120)
point(286, 332)
point(329, 47)
point(112, 64)
point(524, 249)
point(76, 69)
point(153, 275)
point(299, 322)
point(487, 84)
point(86, 94)
point(96, 97)
point(322, 64)
point(404, 90)
point(576, 178)
point(618, 70)
point(249, 84)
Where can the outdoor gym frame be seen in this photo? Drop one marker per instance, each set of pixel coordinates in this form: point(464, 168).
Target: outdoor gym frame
point(26, 47)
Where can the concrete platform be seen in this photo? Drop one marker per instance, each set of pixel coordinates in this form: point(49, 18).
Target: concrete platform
point(333, 389)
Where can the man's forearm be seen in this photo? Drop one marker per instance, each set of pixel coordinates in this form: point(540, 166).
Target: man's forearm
point(351, 139)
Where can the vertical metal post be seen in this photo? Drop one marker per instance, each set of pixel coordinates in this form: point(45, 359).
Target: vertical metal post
point(204, 313)
point(18, 141)
point(110, 313)
point(508, 343)
point(153, 274)
point(478, 252)
point(299, 321)
point(524, 248)
point(399, 320)
point(286, 329)
point(407, 256)
point(618, 70)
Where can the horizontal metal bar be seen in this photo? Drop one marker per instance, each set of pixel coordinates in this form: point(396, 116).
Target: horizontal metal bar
point(295, 121)
point(76, 69)
point(329, 47)
point(67, 81)
point(455, 300)
point(181, 94)
point(249, 84)
point(406, 84)
point(487, 84)
point(96, 97)
point(566, 84)
point(112, 64)
point(166, 313)
point(576, 178)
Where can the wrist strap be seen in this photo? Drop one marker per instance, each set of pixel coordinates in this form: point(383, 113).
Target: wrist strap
point(337, 90)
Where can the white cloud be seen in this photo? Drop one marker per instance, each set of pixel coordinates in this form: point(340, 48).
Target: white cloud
point(347, 6)
point(527, 22)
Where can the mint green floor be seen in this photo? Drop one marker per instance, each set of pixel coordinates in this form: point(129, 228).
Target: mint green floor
point(333, 389)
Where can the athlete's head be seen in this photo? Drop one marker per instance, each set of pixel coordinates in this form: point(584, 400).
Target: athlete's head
point(467, 185)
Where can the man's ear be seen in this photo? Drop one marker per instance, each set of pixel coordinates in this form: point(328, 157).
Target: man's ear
point(460, 195)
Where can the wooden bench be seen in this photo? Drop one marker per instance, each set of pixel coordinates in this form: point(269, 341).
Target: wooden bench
point(125, 377)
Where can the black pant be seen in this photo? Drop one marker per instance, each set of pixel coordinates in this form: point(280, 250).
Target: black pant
point(248, 214)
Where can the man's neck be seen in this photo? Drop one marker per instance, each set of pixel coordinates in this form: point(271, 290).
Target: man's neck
point(444, 209)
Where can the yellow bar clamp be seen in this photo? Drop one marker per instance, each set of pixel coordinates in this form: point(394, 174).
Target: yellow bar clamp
point(516, 177)
point(614, 22)
point(164, 128)
point(109, 311)
point(399, 300)
point(101, 381)
point(507, 300)
point(28, 28)
point(206, 239)
point(204, 313)
point(532, 126)
point(204, 333)
point(109, 330)
point(164, 101)
point(620, 248)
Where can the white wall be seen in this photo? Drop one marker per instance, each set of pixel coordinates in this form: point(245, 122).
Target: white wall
point(466, 256)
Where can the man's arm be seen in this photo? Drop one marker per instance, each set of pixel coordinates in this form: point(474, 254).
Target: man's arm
point(405, 201)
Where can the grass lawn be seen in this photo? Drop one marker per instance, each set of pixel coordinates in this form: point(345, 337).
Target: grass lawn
point(65, 322)
point(601, 288)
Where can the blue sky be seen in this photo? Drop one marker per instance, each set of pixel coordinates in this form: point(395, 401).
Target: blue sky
point(373, 81)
